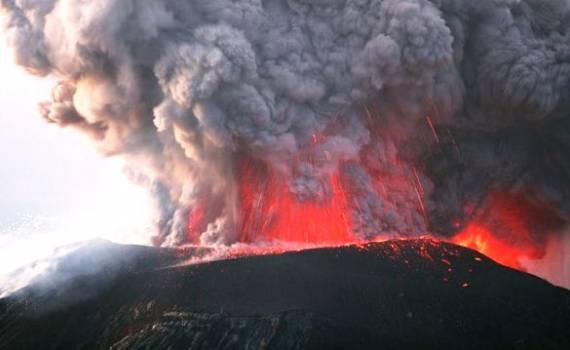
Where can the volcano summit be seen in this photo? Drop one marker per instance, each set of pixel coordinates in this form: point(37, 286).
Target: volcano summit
point(395, 295)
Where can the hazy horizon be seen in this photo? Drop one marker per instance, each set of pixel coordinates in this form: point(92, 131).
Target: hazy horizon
point(54, 186)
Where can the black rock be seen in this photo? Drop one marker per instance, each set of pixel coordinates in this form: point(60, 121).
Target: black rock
point(392, 295)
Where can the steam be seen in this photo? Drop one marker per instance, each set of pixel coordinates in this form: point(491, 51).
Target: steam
point(420, 106)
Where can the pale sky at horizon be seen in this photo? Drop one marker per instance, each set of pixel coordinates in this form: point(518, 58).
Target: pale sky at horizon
point(54, 187)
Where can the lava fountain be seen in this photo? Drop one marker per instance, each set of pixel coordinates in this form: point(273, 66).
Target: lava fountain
point(271, 213)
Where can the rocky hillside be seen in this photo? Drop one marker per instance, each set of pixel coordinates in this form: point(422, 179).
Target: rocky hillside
point(391, 295)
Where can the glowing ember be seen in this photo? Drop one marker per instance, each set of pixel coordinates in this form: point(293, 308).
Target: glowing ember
point(432, 128)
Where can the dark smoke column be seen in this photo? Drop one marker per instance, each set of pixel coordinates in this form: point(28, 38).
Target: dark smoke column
point(405, 111)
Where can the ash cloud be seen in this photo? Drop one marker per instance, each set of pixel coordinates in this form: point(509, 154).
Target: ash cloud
point(184, 89)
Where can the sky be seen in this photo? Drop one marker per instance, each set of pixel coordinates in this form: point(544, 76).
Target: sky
point(55, 189)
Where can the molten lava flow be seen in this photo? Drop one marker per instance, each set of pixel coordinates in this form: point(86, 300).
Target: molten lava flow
point(272, 213)
point(483, 240)
point(507, 229)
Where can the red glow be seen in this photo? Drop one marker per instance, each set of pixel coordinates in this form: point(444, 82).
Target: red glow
point(483, 240)
point(508, 229)
point(196, 221)
point(271, 212)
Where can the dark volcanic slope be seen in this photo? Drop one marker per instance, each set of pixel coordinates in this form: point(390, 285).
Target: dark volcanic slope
point(392, 295)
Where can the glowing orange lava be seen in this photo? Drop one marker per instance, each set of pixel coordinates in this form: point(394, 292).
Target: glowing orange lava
point(481, 239)
point(508, 228)
point(272, 213)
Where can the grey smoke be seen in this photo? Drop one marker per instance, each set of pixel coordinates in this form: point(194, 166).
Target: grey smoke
point(183, 88)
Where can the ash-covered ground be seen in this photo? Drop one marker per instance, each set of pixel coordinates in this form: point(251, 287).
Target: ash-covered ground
point(405, 294)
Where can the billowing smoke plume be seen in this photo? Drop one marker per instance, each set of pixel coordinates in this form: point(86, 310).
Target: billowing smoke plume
point(405, 113)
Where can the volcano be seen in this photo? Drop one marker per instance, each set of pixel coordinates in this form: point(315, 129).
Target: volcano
point(397, 294)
